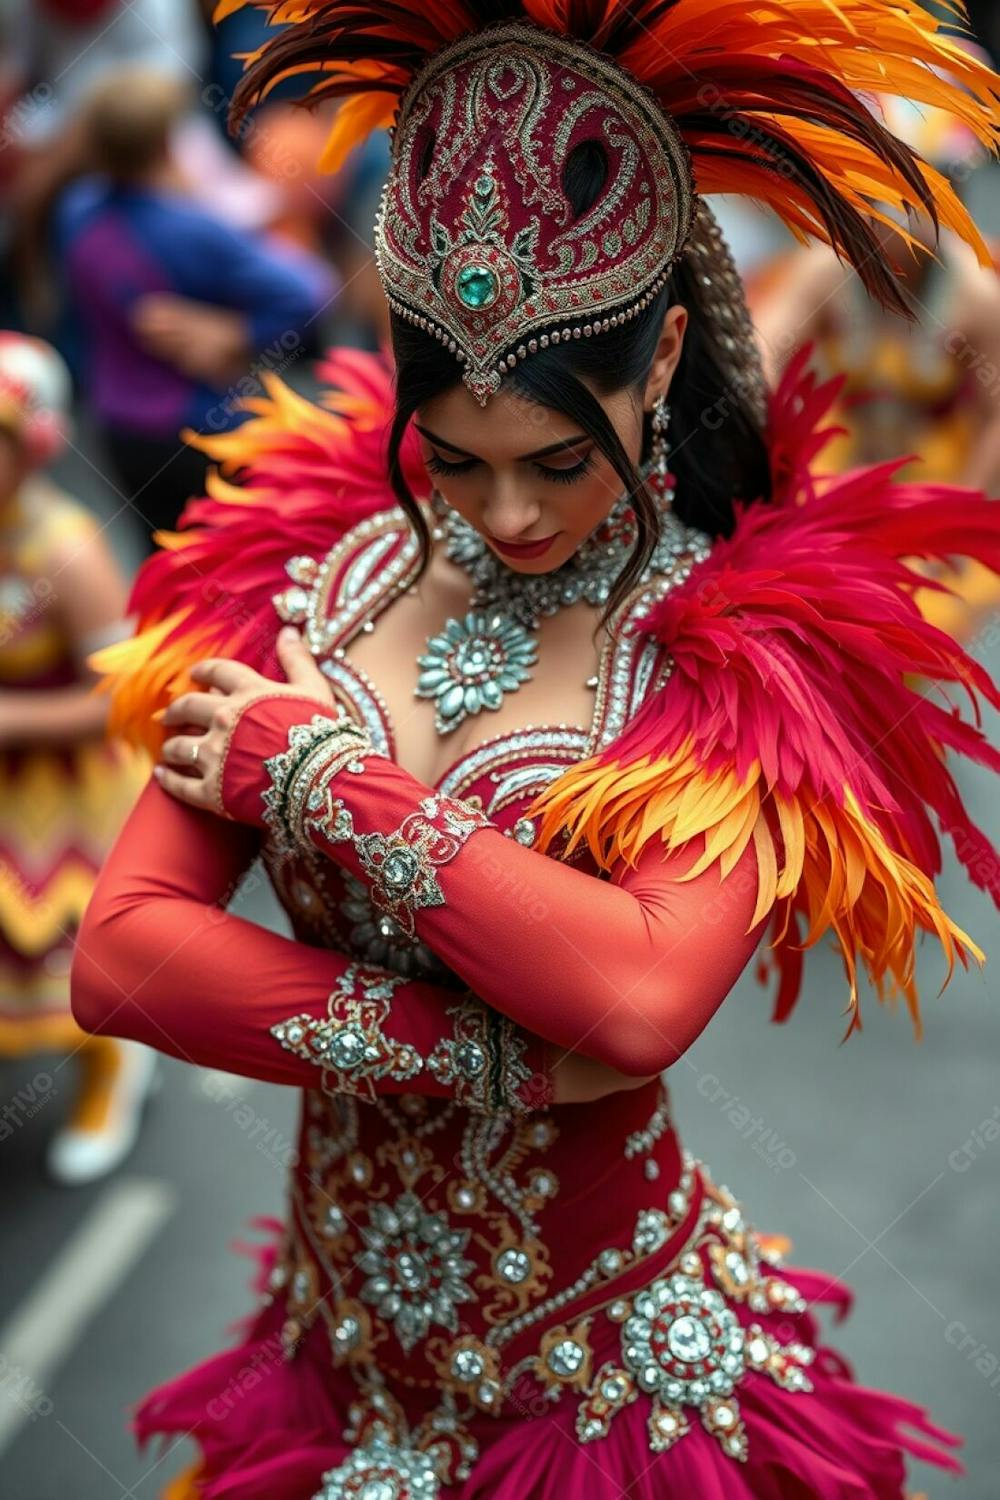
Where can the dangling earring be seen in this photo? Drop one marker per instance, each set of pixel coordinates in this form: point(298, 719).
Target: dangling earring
point(657, 473)
point(440, 509)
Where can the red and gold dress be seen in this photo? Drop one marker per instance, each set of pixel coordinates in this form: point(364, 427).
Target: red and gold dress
point(60, 806)
point(477, 1292)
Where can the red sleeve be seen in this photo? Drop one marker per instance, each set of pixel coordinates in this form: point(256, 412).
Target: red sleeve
point(627, 970)
point(159, 959)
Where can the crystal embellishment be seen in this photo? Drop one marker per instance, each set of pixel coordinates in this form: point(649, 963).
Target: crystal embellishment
point(683, 1342)
point(514, 1265)
point(567, 1357)
point(401, 865)
point(415, 1268)
point(482, 1061)
point(476, 286)
point(381, 1471)
point(471, 664)
point(349, 1042)
point(683, 1345)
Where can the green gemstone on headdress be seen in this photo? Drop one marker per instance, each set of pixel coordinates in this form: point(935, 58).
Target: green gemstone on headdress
point(476, 285)
point(484, 185)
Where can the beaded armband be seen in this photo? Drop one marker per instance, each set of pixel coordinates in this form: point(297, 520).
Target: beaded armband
point(401, 865)
point(298, 795)
point(349, 1043)
point(484, 1060)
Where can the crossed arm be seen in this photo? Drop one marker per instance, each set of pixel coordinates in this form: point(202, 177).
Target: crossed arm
point(621, 974)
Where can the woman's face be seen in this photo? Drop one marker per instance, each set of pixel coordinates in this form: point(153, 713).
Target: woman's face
point(529, 480)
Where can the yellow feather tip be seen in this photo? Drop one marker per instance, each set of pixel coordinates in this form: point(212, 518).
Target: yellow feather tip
point(829, 862)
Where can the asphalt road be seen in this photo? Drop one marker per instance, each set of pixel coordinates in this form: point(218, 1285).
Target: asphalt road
point(874, 1157)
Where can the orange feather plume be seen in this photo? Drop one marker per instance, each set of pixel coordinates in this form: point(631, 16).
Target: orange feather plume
point(776, 102)
point(790, 721)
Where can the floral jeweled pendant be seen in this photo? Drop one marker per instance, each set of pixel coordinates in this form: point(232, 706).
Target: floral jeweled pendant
point(471, 664)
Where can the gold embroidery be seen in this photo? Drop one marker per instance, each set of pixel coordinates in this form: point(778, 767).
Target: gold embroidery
point(483, 1060)
point(349, 1043)
point(301, 774)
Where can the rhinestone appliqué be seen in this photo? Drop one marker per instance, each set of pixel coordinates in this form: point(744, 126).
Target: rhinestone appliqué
point(349, 1043)
point(381, 1471)
point(683, 1345)
point(683, 1342)
point(401, 865)
point(415, 1268)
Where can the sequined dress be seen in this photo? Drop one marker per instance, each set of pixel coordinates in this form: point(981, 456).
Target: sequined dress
point(476, 1292)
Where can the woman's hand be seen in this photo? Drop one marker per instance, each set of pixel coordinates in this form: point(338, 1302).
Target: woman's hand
point(212, 715)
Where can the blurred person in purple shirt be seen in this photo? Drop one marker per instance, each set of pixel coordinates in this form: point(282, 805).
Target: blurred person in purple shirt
point(177, 312)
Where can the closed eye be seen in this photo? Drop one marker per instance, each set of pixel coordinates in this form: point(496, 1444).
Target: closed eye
point(438, 465)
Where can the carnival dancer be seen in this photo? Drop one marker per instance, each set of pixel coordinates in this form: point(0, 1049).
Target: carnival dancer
point(550, 748)
point(925, 386)
point(64, 792)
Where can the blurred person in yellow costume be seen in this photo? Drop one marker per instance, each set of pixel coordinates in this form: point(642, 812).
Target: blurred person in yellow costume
point(64, 788)
point(929, 388)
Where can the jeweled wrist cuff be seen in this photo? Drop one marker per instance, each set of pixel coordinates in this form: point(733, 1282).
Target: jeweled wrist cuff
point(300, 775)
point(348, 1043)
point(481, 1063)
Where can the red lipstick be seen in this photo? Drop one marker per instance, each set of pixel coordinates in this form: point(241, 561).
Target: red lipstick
point(524, 549)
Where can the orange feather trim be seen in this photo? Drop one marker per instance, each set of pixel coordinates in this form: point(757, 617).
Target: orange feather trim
point(145, 673)
point(291, 479)
point(829, 864)
point(789, 720)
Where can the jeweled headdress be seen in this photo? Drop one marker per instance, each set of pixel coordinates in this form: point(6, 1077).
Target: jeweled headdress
point(475, 238)
point(488, 99)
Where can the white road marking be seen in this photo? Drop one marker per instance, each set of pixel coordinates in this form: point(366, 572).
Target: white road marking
point(85, 1273)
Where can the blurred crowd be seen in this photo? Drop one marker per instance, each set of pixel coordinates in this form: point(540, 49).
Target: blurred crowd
point(169, 263)
point(155, 268)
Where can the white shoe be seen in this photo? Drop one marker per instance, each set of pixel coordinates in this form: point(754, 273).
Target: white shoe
point(76, 1156)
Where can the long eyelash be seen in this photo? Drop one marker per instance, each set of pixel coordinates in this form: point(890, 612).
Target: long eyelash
point(566, 476)
point(437, 465)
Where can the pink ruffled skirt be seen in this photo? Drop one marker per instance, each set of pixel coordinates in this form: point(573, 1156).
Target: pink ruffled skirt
point(270, 1428)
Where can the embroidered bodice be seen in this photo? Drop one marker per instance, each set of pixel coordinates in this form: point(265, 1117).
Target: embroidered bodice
point(422, 1233)
point(346, 592)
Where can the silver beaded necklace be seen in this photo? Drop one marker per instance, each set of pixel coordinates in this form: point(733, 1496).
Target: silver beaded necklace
point(473, 662)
